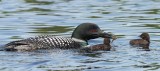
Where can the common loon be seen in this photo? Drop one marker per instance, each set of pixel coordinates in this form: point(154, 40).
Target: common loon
point(79, 38)
point(144, 42)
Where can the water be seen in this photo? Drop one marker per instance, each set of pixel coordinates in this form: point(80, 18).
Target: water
point(125, 18)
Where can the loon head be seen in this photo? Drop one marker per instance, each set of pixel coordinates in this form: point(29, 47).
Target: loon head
point(87, 31)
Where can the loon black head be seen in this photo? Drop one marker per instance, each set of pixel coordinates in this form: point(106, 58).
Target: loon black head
point(87, 31)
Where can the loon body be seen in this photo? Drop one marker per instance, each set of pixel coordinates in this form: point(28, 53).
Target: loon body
point(79, 38)
point(43, 42)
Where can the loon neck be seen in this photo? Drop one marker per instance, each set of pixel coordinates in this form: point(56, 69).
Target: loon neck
point(79, 36)
point(82, 42)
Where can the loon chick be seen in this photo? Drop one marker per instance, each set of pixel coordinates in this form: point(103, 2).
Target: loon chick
point(99, 47)
point(79, 38)
point(144, 42)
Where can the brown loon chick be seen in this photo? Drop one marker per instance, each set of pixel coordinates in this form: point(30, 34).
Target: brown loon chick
point(105, 46)
point(79, 38)
point(144, 42)
point(99, 47)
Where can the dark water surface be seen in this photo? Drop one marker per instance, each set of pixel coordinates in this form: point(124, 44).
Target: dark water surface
point(126, 18)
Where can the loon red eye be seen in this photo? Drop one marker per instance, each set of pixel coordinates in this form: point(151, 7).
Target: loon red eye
point(93, 30)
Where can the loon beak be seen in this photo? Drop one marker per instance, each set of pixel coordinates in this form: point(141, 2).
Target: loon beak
point(107, 35)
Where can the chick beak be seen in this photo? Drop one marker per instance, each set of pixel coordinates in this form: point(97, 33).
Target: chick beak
point(108, 35)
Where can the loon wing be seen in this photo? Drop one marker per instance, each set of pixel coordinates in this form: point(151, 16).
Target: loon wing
point(17, 45)
point(42, 42)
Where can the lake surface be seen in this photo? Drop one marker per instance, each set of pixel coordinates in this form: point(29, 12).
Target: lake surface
point(127, 19)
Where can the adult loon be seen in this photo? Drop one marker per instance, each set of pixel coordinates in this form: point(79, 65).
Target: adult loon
point(79, 38)
point(144, 42)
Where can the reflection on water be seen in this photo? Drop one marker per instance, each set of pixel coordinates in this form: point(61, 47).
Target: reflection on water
point(126, 18)
point(15, 37)
point(154, 66)
point(39, 2)
point(94, 17)
point(36, 9)
point(52, 29)
point(153, 11)
point(29, 10)
point(154, 26)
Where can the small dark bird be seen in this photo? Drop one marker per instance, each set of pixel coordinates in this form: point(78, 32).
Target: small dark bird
point(144, 42)
point(105, 46)
point(99, 47)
